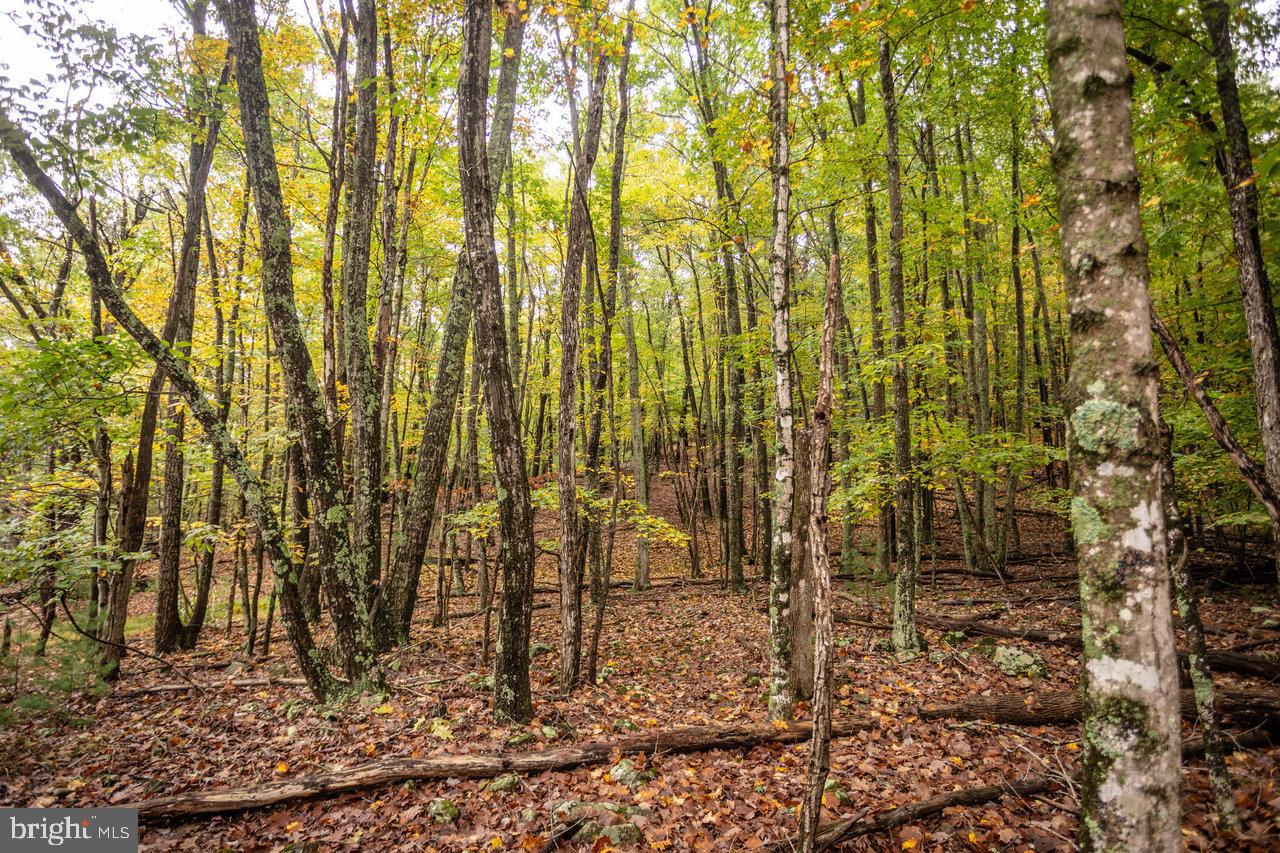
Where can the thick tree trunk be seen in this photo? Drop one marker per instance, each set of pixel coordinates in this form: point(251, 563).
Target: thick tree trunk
point(1131, 781)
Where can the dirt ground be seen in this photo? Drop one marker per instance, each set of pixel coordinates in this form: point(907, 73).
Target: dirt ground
point(678, 654)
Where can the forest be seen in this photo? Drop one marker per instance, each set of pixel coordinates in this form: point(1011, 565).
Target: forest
point(612, 425)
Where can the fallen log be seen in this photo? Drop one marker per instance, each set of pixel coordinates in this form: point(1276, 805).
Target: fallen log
point(1220, 661)
point(396, 771)
point(185, 686)
point(1062, 707)
point(860, 825)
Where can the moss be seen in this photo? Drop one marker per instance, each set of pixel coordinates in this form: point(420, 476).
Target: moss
point(1086, 524)
point(1100, 425)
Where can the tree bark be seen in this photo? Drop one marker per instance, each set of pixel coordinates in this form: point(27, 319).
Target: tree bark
point(512, 697)
point(1131, 755)
point(780, 698)
point(906, 638)
point(1255, 284)
point(820, 488)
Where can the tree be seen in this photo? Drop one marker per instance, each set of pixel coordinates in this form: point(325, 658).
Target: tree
point(779, 295)
point(511, 696)
point(906, 637)
point(572, 536)
point(1131, 735)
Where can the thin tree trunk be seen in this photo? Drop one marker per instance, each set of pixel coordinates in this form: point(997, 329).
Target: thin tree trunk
point(819, 489)
point(780, 649)
point(393, 612)
point(1255, 284)
point(566, 418)
point(512, 697)
point(906, 637)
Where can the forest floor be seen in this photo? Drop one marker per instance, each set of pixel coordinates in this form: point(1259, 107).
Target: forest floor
point(678, 654)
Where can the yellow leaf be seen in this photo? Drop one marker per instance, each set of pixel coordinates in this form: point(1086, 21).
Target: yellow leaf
point(509, 52)
point(282, 767)
point(1151, 202)
point(384, 710)
point(780, 725)
point(292, 825)
point(909, 844)
point(1247, 181)
point(495, 842)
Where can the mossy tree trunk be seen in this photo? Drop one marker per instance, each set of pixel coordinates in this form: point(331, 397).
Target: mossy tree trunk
point(1131, 777)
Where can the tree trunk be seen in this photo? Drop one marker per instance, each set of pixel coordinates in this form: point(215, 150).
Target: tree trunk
point(1255, 284)
point(1198, 666)
point(780, 698)
point(512, 697)
point(394, 609)
point(819, 489)
point(906, 638)
point(566, 418)
point(1131, 756)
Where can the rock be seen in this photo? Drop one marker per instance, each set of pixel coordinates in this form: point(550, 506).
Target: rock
point(576, 809)
point(505, 783)
point(618, 833)
point(623, 833)
point(626, 773)
point(1018, 662)
point(836, 790)
point(443, 810)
